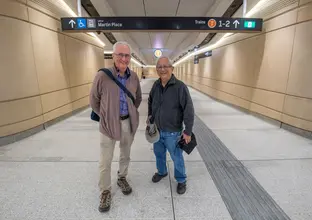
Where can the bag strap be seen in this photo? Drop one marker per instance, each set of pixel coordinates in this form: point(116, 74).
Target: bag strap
point(152, 119)
point(109, 73)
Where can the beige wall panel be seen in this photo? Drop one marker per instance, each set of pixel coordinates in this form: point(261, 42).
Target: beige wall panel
point(237, 37)
point(196, 69)
point(21, 126)
point(299, 123)
point(300, 78)
point(222, 96)
point(13, 9)
point(17, 72)
point(39, 8)
point(80, 91)
point(233, 100)
point(19, 110)
point(282, 11)
point(283, 20)
point(51, 65)
point(269, 99)
point(206, 67)
point(55, 100)
point(151, 72)
point(304, 1)
point(298, 107)
point(273, 64)
point(90, 86)
point(190, 67)
point(100, 57)
point(212, 67)
point(81, 103)
point(265, 111)
point(86, 38)
point(207, 90)
point(57, 112)
point(92, 63)
point(44, 20)
point(76, 57)
point(237, 90)
point(108, 63)
point(237, 62)
point(305, 13)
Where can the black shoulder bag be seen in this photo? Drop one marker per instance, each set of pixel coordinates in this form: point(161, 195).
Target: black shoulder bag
point(94, 116)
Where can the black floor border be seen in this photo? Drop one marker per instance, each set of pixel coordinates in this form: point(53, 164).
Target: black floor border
point(242, 194)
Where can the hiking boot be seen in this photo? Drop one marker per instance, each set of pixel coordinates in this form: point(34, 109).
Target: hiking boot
point(157, 177)
point(124, 185)
point(181, 188)
point(105, 201)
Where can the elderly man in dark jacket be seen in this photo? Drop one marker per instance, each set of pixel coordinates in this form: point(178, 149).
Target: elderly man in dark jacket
point(169, 105)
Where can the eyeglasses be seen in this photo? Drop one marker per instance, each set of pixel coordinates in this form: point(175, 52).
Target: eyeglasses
point(165, 67)
point(121, 55)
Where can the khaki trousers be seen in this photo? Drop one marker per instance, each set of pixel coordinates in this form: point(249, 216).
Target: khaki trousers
point(107, 152)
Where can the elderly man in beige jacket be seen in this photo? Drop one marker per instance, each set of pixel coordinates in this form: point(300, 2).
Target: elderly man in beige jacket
point(119, 119)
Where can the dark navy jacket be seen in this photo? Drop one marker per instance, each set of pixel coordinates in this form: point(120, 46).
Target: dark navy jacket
point(171, 105)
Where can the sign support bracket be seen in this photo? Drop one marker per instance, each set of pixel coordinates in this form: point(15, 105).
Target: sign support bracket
point(79, 7)
point(244, 8)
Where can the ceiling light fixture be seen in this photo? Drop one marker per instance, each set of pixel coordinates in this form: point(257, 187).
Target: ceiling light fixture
point(108, 52)
point(255, 9)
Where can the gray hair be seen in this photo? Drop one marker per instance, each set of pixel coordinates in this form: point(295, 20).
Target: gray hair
point(121, 43)
point(161, 57)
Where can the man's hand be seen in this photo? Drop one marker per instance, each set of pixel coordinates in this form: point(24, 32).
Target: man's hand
point(187, 138)
point(148, 119)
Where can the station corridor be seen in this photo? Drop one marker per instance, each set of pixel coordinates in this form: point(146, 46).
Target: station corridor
point(246, 63)
point(241, 161)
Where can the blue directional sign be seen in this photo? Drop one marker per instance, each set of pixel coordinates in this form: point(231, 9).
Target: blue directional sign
point(81, 23)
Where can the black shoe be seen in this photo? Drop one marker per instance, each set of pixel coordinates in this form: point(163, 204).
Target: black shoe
point(156, 178)
point(105, 201)
point(181, 188)
point(124, 185)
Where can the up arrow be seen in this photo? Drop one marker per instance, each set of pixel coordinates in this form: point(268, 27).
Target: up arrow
point(72, 23)
point(236, 22)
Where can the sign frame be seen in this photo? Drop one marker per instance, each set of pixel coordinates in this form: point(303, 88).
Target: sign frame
point(156, 24)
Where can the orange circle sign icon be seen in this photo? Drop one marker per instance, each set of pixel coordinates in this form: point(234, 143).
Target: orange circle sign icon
point(212, 23)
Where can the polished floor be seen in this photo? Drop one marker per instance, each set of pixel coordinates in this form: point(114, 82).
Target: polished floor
point(54, 174)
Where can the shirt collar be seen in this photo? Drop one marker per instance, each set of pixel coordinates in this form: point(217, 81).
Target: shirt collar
point(127, 73)
point(171, 81)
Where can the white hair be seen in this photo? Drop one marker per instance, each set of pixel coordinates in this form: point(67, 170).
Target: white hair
point(161, 57)
point(121, 43)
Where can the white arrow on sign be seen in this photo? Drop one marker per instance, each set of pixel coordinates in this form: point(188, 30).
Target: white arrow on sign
point(236, 22)
point(72, 22)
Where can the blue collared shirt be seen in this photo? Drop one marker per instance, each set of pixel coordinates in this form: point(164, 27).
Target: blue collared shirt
point(123, 109)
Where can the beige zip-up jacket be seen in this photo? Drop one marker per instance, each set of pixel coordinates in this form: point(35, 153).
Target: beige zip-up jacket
point(104, 100)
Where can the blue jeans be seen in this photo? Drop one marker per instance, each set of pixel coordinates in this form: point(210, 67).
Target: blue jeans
point(168, 141)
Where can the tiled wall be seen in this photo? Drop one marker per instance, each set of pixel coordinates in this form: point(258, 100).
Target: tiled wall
point(268, 73)
point(44, 73)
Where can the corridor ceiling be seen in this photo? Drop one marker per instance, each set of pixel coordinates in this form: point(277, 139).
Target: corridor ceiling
point(171, 43)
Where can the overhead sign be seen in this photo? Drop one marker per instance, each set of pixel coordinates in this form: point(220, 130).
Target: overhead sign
point(157, 53)
point(202, 55)
point(196, 60)
point(205, 54)
point(182, 24)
